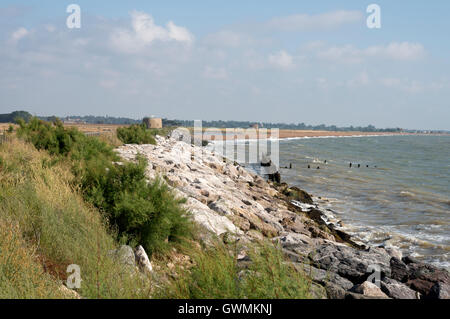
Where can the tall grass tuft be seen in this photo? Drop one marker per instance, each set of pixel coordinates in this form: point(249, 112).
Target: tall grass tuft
point(217, 274)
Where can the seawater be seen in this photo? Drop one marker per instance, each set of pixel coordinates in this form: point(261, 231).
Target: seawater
point(398, 196)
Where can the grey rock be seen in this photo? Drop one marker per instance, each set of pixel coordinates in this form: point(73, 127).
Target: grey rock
point(124, 255)
point(324, 277)
point(298, 243)
point(349, 262)
point(399, 270)
point(295, 258)
point(424, 277)
point(334, 291)
point(397, 290)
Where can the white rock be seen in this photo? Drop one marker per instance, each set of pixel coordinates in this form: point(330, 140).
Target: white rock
point(210, 220)
point(142, 260)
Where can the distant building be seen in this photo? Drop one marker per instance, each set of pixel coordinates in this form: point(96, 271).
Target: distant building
point(153, 122)
point(255, 126)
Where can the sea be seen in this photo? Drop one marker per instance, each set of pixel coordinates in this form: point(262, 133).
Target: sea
point(396, 192)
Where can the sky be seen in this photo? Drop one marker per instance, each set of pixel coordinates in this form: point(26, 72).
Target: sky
point(271, 61)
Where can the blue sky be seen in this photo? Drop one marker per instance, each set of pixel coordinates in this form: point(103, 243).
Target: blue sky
point(280, 61)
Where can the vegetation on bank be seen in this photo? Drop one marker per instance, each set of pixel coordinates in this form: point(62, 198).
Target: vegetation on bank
point(65, 198)
point(136, 134)
point(217, 274)
point(45, 225)
point(142, 212)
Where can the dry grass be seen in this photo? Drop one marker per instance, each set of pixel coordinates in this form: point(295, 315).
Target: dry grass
point(58, 227)
point(21, 274)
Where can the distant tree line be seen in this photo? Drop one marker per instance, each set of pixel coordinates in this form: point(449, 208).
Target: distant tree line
point(91, 119)
point(15, 116)
point(281, 126)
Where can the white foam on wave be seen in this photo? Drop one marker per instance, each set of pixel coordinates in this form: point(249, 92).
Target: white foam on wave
point(332, 136)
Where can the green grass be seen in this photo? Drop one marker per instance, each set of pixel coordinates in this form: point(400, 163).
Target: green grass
point(217, 274)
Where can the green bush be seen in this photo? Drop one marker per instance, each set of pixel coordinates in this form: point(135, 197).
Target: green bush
point(143, 212)
point(147, 213)
point(136, 134)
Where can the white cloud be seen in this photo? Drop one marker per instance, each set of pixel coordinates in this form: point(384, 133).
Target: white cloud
point(215, 73)
point(144, 32)
point(343, 54)
point(399, 51)
point(226, 38)
point(324, 21)
point(403, 51)
point(179, 33)
point(19, 34)
point(282, 60)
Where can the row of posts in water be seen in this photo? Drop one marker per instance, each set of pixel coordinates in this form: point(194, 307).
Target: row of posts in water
point(325, 162)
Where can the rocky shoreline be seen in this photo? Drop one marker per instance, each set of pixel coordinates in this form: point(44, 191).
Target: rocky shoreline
point(226, 199)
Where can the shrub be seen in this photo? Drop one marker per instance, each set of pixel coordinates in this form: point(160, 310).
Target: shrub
point(147, 213)
point(136, 134)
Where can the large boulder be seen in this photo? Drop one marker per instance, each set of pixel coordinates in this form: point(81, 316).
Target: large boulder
point(397, 290)
point(124, 255)
point(335, 291)
point(399, 270)
point(430, 281)
point(354, 264)
point(369, 289)
point(297, 194)
point(326, 278)
point(297, 243)
point(212, 221)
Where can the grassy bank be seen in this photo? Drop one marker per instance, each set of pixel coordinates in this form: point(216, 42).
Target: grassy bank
point(46, 226)
point(66, 198)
